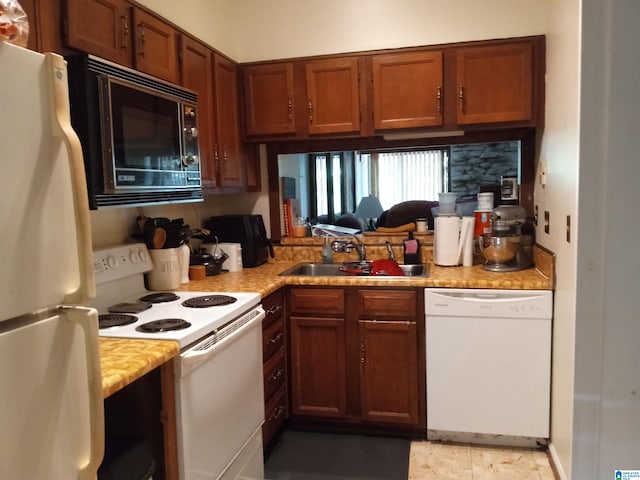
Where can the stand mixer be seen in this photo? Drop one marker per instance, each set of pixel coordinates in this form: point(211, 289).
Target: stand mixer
point(507, 247)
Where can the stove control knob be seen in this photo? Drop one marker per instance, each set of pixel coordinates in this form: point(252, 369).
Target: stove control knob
point(112, 262)
point(134, 257)
point(144, 257)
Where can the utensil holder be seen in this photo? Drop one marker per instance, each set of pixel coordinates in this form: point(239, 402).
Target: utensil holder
point(166, 273)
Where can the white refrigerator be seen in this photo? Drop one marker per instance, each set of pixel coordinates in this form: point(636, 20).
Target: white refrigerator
point(51, 408)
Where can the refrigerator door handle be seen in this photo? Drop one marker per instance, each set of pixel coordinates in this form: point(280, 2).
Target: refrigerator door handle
point(87, 319)
point(61, 128)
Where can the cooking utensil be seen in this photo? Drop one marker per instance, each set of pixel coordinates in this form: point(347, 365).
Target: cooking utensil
point(149, 231)
point(159, 237)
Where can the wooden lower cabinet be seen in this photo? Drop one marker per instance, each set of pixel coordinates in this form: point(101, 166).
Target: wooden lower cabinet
point(318, 368)
point(357, 356)
point(274, 366)
point(388, 372)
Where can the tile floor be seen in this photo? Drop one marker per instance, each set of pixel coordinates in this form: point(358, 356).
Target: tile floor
point(430, 460)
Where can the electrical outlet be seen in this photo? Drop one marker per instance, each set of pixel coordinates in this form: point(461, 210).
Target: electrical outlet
point(546, 221)
point(543, 173)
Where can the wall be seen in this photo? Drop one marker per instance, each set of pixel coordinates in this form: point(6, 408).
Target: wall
point(213, 21)
point(337, 26)
point(559, 151)
point(252, 30)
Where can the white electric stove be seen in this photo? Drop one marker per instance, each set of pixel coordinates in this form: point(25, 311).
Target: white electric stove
point(219, 379)
point(128, 310)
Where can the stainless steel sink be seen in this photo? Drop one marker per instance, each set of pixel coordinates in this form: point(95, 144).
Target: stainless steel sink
point(349, 270)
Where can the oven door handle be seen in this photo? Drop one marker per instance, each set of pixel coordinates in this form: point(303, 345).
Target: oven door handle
point(211, 345)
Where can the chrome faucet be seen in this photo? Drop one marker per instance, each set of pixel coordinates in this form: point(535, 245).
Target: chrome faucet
point(348, 245)
point(392, 256)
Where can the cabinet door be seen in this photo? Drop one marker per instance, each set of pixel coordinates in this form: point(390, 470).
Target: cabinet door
point(333, 97)
point(407, 90)
point(318, 370)
point(155, 46)
point(269, 102)
point(388, 372)
point(494, 83)
point(196, 70)
point(229, 162)
point(100, 27)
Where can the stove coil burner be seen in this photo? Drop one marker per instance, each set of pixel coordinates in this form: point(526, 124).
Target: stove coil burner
point(164, 325)
point(108, 320)
point(161, 297)
point(205, 301)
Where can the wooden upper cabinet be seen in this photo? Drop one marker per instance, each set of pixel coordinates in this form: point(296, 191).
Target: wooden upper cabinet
point(333, 96)
point(227, 146)
point(495, 83)
point(100, 27)
point(407, 90)
point(116, 31)
point(269, 99)
point(155, 46)
point(196, 73)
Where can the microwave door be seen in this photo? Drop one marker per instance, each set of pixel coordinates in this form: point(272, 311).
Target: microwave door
point(145, 139)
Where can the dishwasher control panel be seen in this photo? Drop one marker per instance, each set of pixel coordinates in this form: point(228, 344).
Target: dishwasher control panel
point(494, 303)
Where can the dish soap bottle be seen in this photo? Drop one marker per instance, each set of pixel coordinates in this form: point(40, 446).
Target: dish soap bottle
point(411, 250)
point(327, 254)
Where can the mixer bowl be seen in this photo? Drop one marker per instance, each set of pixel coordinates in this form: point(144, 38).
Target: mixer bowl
point(500, 249)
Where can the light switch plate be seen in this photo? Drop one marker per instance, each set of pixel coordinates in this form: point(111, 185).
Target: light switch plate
point(546, 221)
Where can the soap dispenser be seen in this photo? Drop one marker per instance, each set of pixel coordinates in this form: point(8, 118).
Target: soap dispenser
point(411, 251)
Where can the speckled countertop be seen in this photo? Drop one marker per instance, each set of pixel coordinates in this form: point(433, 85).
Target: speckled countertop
point(124, 361)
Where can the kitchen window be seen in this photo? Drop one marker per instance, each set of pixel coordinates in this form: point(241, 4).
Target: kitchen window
point(338, 180)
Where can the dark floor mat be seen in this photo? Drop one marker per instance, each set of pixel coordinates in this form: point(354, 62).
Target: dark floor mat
point(316, 456)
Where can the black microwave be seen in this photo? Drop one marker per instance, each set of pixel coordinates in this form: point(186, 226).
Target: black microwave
point(139, 135)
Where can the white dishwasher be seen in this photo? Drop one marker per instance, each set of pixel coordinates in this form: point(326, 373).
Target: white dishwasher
point(488, 365)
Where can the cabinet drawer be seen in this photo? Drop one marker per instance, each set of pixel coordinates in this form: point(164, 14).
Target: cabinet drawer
point(317, 301)
point(273, 306)
point(275, 413)
point(274, 373)
point(272, 338)
point(387, 304)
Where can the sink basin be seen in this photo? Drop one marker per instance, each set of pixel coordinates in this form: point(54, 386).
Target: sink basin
point(350, 269)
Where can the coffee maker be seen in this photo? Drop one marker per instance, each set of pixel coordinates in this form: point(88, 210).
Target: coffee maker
point(508, 246)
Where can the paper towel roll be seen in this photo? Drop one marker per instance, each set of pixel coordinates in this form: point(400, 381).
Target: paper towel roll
point(446, 240)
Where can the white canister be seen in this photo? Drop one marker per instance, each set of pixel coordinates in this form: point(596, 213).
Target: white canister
point(485, 201)
point(234, 262)
point(165, 274)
